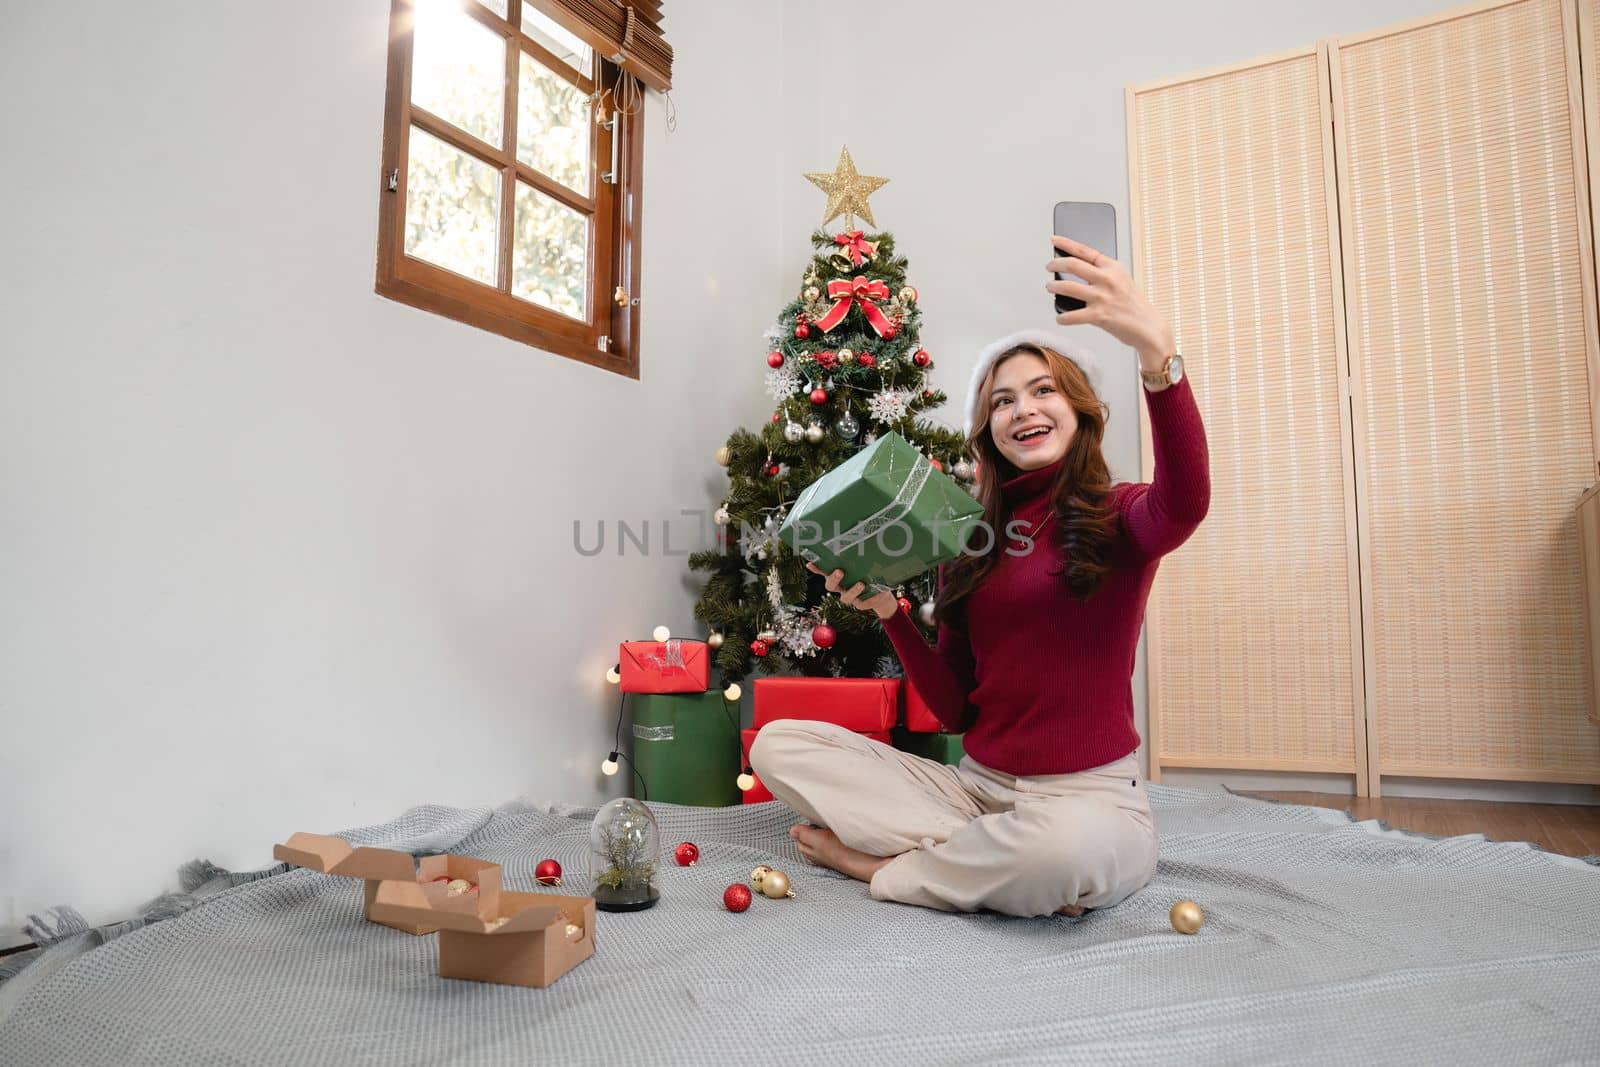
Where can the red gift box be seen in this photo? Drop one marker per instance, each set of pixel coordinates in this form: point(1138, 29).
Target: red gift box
point(920, 718)
point(861, 704)
point(664, 666)
point(759, 793)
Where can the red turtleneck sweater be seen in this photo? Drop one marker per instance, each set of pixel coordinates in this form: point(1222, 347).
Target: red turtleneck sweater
point(1041, 682)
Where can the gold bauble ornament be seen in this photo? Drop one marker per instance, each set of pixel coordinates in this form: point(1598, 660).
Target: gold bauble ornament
point(776, 885)
point(724, 457)
point(1187, 918)
point(908, 295)
point(714, 640)
point(759, 874)
point(845, 355)
point(847, 191)
point(813, 293)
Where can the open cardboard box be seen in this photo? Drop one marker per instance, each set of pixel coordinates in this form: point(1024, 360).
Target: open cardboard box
point(333, 855)
point(531, 939)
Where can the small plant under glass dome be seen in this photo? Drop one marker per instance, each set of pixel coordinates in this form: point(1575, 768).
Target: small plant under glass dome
point(624, 853)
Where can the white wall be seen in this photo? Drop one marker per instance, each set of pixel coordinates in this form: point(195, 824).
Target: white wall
point(277, 553)
point(983, 116)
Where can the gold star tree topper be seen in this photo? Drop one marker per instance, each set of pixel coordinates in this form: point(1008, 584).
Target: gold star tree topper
point(847, 191)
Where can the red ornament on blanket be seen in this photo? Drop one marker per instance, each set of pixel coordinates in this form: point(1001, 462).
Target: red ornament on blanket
point(736, 897)
point(687, 854)
point(547, 873)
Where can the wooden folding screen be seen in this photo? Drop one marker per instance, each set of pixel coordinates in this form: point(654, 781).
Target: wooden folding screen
point(1389, 579)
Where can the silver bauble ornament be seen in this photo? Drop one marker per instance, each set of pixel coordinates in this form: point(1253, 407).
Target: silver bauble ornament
point(962, 469)
point(793, 431)
point(847, 427)
point(814, 432)
point(720, 516)
point(714, 640)
point(925, 613)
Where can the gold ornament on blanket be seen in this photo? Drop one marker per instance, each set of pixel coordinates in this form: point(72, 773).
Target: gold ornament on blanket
point(1187, 918)
point(776, 886)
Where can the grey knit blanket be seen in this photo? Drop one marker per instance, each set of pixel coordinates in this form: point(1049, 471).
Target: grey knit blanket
point(1326, 941)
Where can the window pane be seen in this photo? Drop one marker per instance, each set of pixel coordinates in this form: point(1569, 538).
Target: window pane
point(558, 39)
point(550, 254)
point(458, 69)
point(553, 127)
point(452, 208)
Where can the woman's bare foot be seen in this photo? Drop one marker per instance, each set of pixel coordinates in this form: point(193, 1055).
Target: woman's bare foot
point(1071, 910)
point(820, 845)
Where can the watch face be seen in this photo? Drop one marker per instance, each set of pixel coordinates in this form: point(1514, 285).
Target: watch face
point(1175, 369)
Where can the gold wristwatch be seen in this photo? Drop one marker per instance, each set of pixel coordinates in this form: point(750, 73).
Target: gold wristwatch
point(1171, 373)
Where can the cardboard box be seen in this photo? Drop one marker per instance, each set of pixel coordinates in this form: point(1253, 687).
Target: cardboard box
point(525, 941)
point(884, 515)
point(664, 666)
point(333, 855)
point(859, 704)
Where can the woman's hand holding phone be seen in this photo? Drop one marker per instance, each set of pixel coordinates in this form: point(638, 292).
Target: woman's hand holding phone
point(1111, 301)
point(882, 603)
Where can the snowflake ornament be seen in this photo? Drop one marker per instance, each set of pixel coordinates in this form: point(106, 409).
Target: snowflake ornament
point(889, 405)
point(783, 382)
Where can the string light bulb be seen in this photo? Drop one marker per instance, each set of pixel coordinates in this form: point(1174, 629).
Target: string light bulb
point(732, 692)
point(661, 633)
point(609, 767)
point(614, 674)
point(747, 780)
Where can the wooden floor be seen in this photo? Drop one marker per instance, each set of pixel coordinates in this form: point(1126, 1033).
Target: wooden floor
point(1566, 828)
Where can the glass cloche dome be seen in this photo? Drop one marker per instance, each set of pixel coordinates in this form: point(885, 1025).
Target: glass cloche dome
point(624, 854)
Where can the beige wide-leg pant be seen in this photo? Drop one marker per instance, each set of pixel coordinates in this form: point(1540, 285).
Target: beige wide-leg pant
point(966, 837)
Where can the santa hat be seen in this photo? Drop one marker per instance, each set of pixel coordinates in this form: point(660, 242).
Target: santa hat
point(1055, 340)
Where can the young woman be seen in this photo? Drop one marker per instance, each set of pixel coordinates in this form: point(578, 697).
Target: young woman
point(1036, 636)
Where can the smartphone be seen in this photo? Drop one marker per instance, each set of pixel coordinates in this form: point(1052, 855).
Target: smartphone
point(1088, 223)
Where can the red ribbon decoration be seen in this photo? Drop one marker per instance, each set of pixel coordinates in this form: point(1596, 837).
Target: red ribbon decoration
point(861, 293)
point(858, 248)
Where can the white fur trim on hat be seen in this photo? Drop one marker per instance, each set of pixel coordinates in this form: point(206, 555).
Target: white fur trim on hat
point(1055, 340)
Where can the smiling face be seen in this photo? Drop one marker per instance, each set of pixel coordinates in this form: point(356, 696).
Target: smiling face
point(1030, 419)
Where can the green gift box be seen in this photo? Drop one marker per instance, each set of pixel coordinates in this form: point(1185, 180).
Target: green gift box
point(686, 747)
point(884, 515)
point(945, 748)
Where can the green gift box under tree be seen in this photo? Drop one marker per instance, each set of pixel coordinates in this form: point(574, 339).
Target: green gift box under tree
point(686, 747)
point(883, 516)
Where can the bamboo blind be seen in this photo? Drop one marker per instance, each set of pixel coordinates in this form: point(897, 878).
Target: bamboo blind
point(1250, 625)
point(1469, 288)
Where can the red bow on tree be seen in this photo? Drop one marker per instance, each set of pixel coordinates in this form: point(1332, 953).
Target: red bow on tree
point(858, 248)
point(860, 292)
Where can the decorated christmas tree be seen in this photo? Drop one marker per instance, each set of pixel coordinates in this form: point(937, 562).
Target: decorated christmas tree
point(844, 365)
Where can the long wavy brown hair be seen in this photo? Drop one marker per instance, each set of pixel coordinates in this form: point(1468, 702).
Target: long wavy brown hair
point(1086, 527)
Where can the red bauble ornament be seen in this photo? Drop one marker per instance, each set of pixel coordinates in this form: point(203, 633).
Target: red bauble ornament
point(890, 331)
point(736, 897)
point(687, 854)
point(819, 395)
point(867, 359)
point(936, 464)
point(802, 331)
point(823, 635)
point(927, 394)
point(772, 470)
point(774, 416)
point(905, 605)
point(758, 647)
point(547, 873)
point(774, 359)
point(921, 357)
